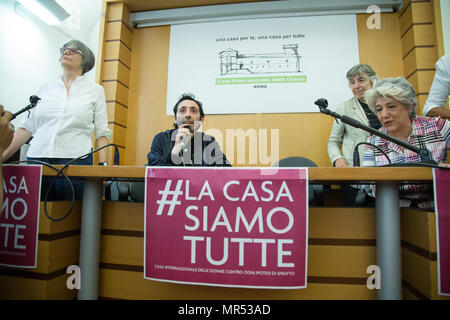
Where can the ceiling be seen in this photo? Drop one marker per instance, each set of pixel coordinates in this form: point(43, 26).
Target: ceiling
point(84, 16)
point(87, 11)
point(149, 5)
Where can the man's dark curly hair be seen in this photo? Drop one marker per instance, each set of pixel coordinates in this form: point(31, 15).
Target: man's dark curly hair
point(188, 96)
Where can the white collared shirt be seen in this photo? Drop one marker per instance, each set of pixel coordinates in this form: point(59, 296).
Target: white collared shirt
point(440, 88)
point(62, 124)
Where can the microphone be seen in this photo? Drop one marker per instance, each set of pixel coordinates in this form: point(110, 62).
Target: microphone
point(33, 101)
point(322, 103)
point(184, 139)
point(425, 154)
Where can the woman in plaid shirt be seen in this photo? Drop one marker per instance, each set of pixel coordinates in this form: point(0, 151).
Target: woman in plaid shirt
point(394, 102)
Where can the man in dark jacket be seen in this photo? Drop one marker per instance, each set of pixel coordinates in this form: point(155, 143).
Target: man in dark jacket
point(184, 145)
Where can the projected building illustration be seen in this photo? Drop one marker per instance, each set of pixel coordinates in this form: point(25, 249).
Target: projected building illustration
point(235, 62)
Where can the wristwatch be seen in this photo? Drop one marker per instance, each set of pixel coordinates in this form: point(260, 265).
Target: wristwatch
point(103, 163)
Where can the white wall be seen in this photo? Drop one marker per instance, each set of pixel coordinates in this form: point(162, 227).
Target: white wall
point(445, 15)
point(29, 48)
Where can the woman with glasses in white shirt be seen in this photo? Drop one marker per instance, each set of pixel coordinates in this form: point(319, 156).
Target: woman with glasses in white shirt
point(70, 110)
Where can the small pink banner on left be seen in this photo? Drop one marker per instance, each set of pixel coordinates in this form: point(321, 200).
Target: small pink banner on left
point(19, 218)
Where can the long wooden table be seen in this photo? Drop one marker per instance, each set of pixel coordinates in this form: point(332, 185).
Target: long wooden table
point(316, 175)
point(387, 215)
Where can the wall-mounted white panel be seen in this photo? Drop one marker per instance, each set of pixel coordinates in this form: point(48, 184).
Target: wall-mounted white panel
point(263, 65)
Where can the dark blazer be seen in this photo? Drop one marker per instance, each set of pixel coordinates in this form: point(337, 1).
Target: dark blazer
point(202, 151)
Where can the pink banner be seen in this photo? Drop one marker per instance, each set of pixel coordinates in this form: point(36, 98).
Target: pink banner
point(19, 219)
point(227, 226)
point(441, 192)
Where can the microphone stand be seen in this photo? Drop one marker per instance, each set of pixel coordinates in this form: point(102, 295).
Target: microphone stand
point(425, 154)
point(33, 101)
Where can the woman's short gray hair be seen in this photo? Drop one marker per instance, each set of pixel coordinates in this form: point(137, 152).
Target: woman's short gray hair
point(88, 58)
point(362, 68)
point(397, 88)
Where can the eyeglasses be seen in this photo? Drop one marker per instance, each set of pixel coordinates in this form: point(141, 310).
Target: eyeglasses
point(71, 51)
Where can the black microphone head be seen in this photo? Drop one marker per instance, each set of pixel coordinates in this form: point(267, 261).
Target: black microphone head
point(323, 103)
point(187, 126)
point(34, 99)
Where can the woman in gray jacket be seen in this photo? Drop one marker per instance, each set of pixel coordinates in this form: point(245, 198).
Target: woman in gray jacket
point(360, 78)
